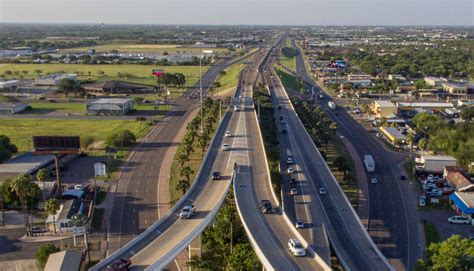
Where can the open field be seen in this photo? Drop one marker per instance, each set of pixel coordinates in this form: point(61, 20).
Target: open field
point(21, 130)
point(139, 73)
point(141, 48)
point(79, 108)
point(287, 79)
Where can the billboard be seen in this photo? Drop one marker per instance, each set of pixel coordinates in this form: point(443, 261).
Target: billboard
point(56, 143)
point(158, 73)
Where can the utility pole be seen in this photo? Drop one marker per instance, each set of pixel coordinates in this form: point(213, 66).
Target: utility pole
point(200, 88)
point(220, 110)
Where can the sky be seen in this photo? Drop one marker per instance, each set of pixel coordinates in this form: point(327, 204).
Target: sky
point(242, 12)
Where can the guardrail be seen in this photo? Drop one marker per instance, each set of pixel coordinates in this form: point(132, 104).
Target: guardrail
point(374, 246)
point(168, 257)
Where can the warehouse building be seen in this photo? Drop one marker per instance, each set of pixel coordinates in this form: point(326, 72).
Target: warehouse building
point(384, 109)
point(12, 108)
point(109, 107)
point(117, 87)
point(54, 79)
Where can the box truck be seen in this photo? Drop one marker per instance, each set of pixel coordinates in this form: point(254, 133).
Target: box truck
point(369, 163)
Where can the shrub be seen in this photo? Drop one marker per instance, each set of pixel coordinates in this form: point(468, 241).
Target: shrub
point(43, 252)
point(122, 138)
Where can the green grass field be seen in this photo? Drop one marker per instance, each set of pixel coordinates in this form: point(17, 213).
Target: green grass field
point(39, 108)
point(289, 62)
point(141, 48)
point(20, 131)
point(141, 73)
point(287, 79)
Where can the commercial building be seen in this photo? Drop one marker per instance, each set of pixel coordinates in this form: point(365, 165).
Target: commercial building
point(424, 105)
point(393, 134)
point(434, 81)
point(455, 88)
point(66, 260)
point(384, 109)
point(54, 79)
point(9, 85)
point(118, 87)
point(113, 106)
point(463, 203)
point(434, 163)
point(12, 108)
point(458, 179)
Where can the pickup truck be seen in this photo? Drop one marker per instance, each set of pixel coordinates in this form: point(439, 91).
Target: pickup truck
point(187, 212)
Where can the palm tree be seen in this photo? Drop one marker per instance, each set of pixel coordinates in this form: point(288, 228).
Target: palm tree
point(42, 176)
point(186, 171)
point(23, 189)
point(182, 185)
point(410, 139)
point(422, 144)
point(52, 207)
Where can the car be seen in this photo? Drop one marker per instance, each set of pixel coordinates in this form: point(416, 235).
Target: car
point(119, 265)
point(292, 181)
point(374, 180)
point(296, 248)
point(283, 122)
point(279, 106)
point(283, 130)
point(435, 193)
point(281, 117)
point(187, 212)
point(289, 161)
point(293, 191)
point(422, 201)
point(299, 224)
point(289, 170)
point(379, 135)
point(228, 134)
point(403, 177)
point(236, 108)
point(322, 191)
point(356, 111)
point(225, 147)
point(266, 206)
point(457, 219)
point(216, 175)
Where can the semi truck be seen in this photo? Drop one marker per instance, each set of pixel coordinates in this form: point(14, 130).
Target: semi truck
point(332, 105)
point(369, 163)
point(434, 163)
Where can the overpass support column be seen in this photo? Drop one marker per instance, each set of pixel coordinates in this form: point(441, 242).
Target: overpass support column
point(195, 248)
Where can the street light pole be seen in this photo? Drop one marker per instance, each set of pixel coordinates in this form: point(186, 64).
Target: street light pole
point(200, 88)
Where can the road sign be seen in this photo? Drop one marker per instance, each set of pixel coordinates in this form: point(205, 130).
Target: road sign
point(78, 230)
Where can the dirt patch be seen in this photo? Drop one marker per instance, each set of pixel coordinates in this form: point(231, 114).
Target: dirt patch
point(227, 93)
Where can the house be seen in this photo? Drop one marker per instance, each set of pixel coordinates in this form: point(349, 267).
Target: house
point(64, 215)
point(362, 83)
point(458, 179)
point(455, 88)
point(117, 87)
point(54, 79)
point(396, 77)
point(404, 88)
point(384, 109)
point(361, 76)
point(113, 106)
point(463, 203)
point(12, 108)
point(66, 260)
point(434, 81)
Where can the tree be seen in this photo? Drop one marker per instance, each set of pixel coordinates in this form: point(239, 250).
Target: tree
point(341, 163)
point(52, 207)
point(422, 144)
point(67, 85)
point(138, 99)
point(121, 138)
point(43, 253)
point(182, 157)
point(467, 113)
point(43, 176)
point(426, 123)
point(183, 185)
point(455, 253)
point(410, 139)
point(9, 197)
point(186, 171)
point(202, 141)
point(26, 190)
point(6, 148)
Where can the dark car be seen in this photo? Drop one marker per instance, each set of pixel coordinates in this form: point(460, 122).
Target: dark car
point(119, 265)
point(281, 117)
point(292, 181)
point(266, 206)
point(216, 175)
point(402, 177)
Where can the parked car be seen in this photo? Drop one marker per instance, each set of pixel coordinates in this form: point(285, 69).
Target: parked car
point(216, 175)
point(299, 224)
point(225, 147)
point(187, 211)
point(293, 191)
point(296, 248)
point(378, 135)
point(457, 219)
point(422, 201)
point(435, 193)
point(322, 191)
point(119, 265)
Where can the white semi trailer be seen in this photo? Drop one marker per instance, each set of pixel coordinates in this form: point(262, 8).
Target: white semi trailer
point(369, 163)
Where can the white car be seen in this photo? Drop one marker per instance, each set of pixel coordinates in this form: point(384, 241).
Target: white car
point(228, 134)
point(236, 107)
point(289, 161)
point(187, 211)
point(296, 248)
point(378, 135)
point(422, 201)
point(322, 191)
point(457, 219)
point(293, 191)
point(374, 180)
point(290, 170)
point(225, 147)
point(299, 224)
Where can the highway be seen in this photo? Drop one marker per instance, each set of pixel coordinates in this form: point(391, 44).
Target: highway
point(269, 233)
point(394, 224)
point(350, 241)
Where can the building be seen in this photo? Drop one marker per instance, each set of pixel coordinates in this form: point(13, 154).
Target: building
point(113, 106)
point(393, 134)
point(458, 179)
point(397, 77)
point(361, 76)
point(424, 105)
point(118, 87)
point(463, 203)
point(66, 260)
point(63, 217)
point(434, 81)
point(384, 109)
point(455, 88)
point(12, 108)
point(362, 83)
point(434, 163)
point(54, 79)
point(9, 85)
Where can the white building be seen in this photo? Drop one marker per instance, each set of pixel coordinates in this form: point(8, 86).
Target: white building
point(9, 85)
point(113, 106)
point(434, 81)
point(12, 108)
point(54, 79)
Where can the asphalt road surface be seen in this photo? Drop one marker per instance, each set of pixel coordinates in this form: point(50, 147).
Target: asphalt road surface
point(394, 224)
